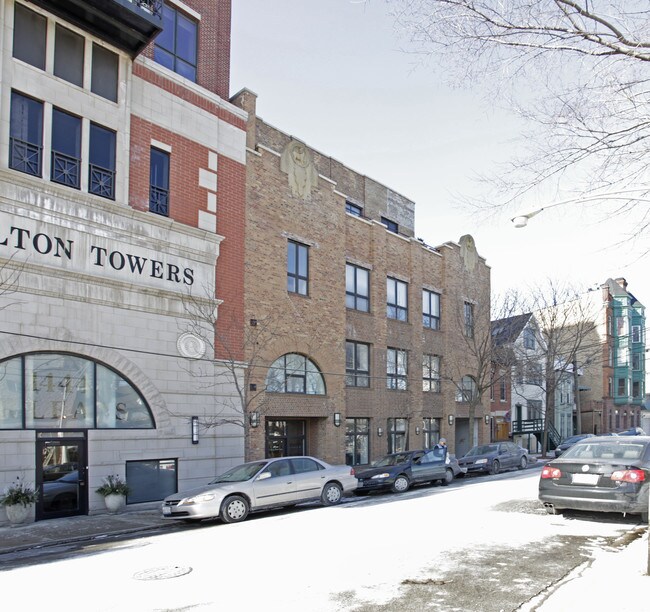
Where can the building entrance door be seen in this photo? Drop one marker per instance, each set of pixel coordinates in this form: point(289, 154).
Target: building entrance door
point(285, 438)
point(61, 474)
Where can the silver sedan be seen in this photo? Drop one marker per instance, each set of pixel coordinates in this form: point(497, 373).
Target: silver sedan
point(260, 485)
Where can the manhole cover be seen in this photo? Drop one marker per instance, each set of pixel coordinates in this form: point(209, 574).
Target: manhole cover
point(162, 573)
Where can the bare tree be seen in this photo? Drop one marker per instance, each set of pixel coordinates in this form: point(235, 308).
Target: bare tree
point(576, 70)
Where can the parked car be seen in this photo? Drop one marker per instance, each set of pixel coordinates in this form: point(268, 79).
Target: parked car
point(632, 431)
point(398, 471)
point(260, 485)
point(601, 474)
point(569, 442)
point(494, 457)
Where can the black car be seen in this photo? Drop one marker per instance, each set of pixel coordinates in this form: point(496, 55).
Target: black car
point(494, 457)
point(569, 442)
point(601, 474)
point(398, 471)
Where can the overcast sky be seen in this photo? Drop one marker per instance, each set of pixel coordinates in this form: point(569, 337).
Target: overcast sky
point(332, 74)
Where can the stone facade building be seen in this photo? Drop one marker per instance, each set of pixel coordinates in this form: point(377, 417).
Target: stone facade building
point(357, 330)
point(122, 169)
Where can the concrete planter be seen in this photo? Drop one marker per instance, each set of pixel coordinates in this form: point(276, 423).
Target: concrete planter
point(17, 513)
point(114, 502)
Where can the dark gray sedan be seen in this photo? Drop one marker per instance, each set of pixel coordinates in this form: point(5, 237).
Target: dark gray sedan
point(494, 457)
point(601, 474)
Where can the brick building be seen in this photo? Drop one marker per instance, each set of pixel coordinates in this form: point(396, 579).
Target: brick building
point(356, 330)
point(122, 170)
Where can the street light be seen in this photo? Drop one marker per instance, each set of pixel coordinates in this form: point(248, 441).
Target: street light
point(521, 220)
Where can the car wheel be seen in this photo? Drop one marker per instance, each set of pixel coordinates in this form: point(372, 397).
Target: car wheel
point(234, 509)
point(449, 476)
point(332, 494)
point(495, 467)
point(523, 462)
point(401, 484)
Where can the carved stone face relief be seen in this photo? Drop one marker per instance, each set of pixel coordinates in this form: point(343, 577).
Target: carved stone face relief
point(468, 252)
point(297, 163)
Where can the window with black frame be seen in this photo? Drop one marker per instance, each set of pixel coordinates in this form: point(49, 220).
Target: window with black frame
point(396, 369)
point(66, 149)
point(397, 435)
point(176, 46)
point(357, 364)
point(431, 373)
point(468, 309)
point(25, 134)
point(294, 373)
point(430, 431)
point(357, 288)
point(396, 299)
point(357, 441)
point(30, 36)
point(297, 268)
point(159, 182)
point(101, 166)
point(430, 309)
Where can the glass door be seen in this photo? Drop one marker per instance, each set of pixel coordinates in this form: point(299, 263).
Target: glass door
point(285, 438)
point(61, 474)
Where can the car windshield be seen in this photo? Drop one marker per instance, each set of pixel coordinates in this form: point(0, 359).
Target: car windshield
point(240, 473)
point(393, 459)
point(624, 453)
point(486, 449)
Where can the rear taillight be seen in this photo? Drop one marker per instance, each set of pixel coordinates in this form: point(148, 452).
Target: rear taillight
point(628, 476)
point(551, 472)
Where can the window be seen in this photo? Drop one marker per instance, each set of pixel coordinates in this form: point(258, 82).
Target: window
point(101, 180)
point(469, 319)
point(69, 55)
point(65, 391)
point(396, 299)
point(535, 409)
point(293, 373)
point(391, 226)
point(431, 431)
point(66, 149)
point(610, 387)
point(534, 374)
point(622, 354)
point(105, 73)
point(636, 389)
point(636, 333)
point(357, 447)
point(175, 47)
point(529, 338)
point(353, 209)
point(621, 387)
point(26, 134)
point(357, 368)
point(431, 373)
point(636, 362)
point(357, 288)
point(297, 268)
point(430, 309)
point(396, 435)
point(466, 391)
point(159, 182)
point(29, 36)
point(396, 369)
point(503, 389)
point(151, 480)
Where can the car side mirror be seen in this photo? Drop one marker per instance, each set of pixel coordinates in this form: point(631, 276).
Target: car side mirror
point(264, 476)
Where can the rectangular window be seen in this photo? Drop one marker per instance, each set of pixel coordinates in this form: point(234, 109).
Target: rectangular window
point(353, 209)
point(396, 369)
point(622, 354)
point(391, 226)
point(396, 435)
point(101, 167)
point(176, 46)
point(357, 446)
point(636, 333)
point(636, 389)
point(25, 134)
point(105, 73)
point(30, 32)
point(430, 309)
point(636, 362)
point(469, 319)
point(66, 149)
point(431, 373)
point(529, 338)
point(621, 387)
point(534, 374)
point(297, 268)
point(357, 364)
point(151, 480)
point(159, 182)
point(396, 299)
point(610, 387)
point(357, 288)
point(503, 389)
point(69, 55)
point(431, 431)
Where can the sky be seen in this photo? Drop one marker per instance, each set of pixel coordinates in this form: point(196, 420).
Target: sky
point(335, 74)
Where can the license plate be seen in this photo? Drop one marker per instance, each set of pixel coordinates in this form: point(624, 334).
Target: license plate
point(585, 479)
point(167, 510)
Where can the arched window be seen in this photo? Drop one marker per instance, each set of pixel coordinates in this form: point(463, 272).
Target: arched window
point(65, 391)
point(294, 373)
point(466, 391)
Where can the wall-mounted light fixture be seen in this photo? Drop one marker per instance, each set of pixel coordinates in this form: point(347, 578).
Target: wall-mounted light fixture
point(337, 419)
point(254, 419)
point(195, 430)
point(380, 432)
point(417, 430)
point(487, 419)
point(450, 419)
